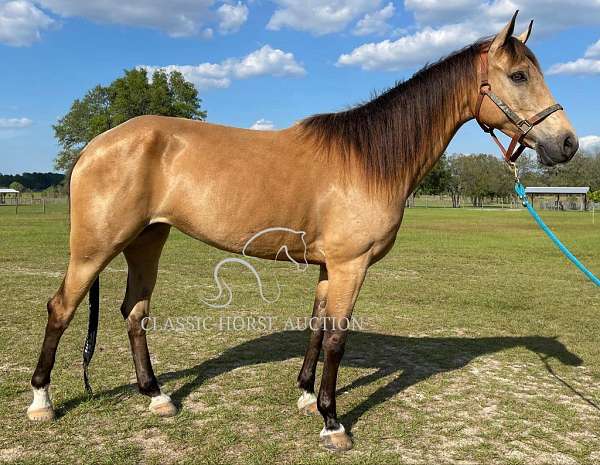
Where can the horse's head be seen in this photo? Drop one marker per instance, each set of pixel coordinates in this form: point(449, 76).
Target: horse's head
point(515, 77)
point(551, 347)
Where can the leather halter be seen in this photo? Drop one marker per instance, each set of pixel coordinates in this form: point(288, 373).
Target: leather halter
point(523, 125)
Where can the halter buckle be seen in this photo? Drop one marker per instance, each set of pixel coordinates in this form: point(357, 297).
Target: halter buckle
point(527, 125)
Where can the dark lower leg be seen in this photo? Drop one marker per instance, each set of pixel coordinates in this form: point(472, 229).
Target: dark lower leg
point(134, 310)
point(306, 377)
point(55, 328)
point(147, 382)
point(334, 342)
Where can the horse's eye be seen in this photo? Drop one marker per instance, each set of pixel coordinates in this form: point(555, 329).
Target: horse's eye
point(519, 76)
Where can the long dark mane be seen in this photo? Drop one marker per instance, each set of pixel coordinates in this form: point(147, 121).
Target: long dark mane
point(389, 133)
point(393, 129)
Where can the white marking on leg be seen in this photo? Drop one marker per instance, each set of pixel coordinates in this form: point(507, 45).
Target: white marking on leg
point(328, 432)
point(159, 400)
point(306, 399)
point(41, 399)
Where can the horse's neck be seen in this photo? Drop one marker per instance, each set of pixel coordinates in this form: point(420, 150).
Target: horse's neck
point(427, 159)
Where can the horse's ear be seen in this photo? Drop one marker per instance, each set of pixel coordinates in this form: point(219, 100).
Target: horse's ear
point(504, 35)
point(525, 35)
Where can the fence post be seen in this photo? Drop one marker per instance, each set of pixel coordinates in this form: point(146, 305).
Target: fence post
point(44, 205)
point(17, 205)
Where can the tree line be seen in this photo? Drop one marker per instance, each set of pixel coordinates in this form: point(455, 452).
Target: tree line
point(481, 177)
point(32, 181)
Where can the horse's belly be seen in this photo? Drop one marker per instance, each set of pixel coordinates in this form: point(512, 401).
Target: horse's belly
point(246, 216)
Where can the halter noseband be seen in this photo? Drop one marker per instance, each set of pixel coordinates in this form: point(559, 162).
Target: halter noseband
point(523, 125)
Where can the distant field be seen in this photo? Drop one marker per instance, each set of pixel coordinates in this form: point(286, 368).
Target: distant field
point(481, 345)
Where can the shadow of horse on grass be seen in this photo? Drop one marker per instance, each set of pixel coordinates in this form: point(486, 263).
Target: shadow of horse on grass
point(410, 359)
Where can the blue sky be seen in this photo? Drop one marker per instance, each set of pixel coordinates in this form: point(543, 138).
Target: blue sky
point(271, 62)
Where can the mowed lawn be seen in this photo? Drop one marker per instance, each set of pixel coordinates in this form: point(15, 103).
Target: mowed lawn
point(480, 344)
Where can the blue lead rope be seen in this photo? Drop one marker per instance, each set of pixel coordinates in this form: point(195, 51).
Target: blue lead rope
point(520, 190)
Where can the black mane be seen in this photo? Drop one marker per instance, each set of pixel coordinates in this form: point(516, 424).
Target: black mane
point(392, 130)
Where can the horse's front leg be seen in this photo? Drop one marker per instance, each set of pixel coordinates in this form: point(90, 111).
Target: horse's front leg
point(307, 403)
point(345, 281)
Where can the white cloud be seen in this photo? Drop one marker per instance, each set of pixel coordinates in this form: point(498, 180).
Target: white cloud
point(15, 123)
point(177, 18)
point(579, 66)
point(589, 64)
point(593, 50)
point(319, 16)
point(263, 125)
point(376, 22)
point(549, 15)
point(264, 61)
point(267, 60)
point(231, 17)
point(409, 51)
point(590, 144)
point(445, 25)
point(21, 23)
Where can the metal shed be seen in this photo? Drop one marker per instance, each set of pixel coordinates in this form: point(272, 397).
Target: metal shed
point(7, 192)
point(558, 191)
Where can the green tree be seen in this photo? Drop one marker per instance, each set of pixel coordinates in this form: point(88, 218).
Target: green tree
point(479, 176)
point(86, 119)
point(131, 95)
point(16, 186)
point(437, 181)
point(582, 170)
point(161, 95)
point(185, 98)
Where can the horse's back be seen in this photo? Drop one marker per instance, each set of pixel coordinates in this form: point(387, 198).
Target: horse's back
point(203, 178)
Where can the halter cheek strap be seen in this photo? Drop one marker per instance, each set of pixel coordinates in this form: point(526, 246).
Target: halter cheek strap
point(523, 125)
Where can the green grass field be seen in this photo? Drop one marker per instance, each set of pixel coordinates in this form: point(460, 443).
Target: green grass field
point(480, 344)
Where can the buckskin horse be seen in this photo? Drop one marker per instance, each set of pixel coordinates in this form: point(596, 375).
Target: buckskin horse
point(342, 178)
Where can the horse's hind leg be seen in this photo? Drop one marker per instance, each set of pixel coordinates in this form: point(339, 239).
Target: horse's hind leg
point(143, 255)
point(83, 269)
point(307, 403)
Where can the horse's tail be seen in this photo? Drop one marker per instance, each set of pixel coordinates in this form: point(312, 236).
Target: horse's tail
point(90, 340)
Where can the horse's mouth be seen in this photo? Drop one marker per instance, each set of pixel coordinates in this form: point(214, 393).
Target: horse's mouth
point(543, 156)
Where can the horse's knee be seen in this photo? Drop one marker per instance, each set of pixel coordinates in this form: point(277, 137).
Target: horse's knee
point(334, 342)
point(135, 317)
point(59, 315)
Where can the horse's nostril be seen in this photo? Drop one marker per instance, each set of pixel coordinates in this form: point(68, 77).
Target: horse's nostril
point(570, 145)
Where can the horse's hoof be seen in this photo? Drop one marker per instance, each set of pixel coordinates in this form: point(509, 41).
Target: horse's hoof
point(41, 414)
point(336, 440)
point(307, 404)
point(163, 406)
point(41, 407)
